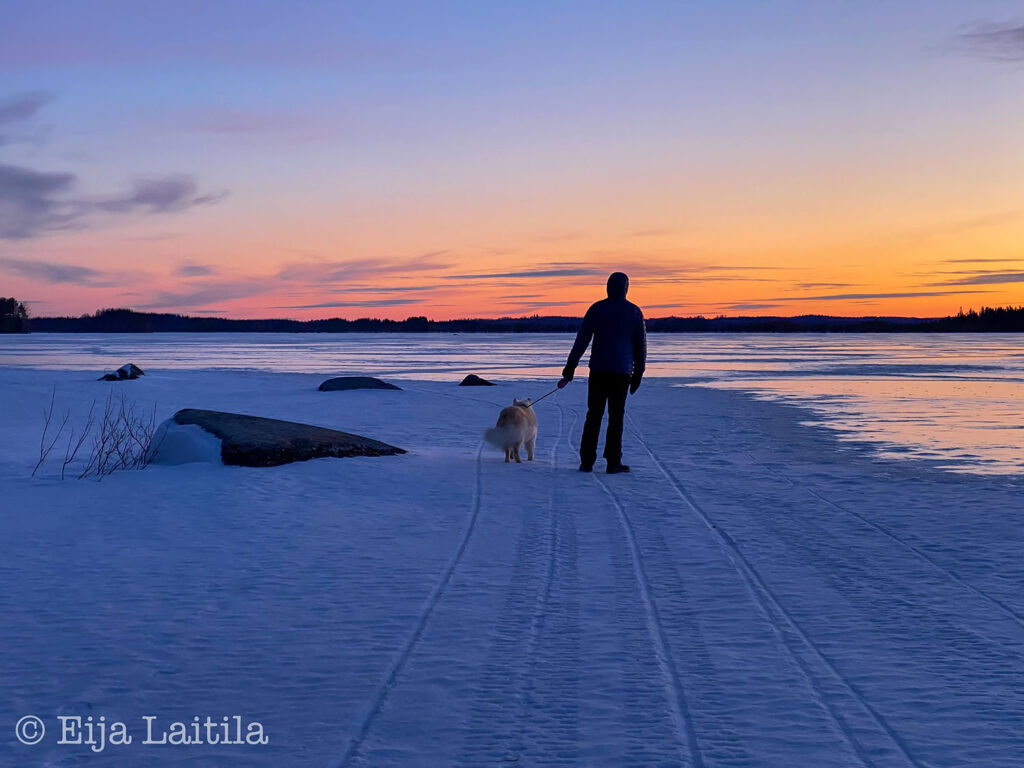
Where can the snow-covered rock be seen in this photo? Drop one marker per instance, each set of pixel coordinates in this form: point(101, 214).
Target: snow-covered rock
point(254, 441)
point(126, 372)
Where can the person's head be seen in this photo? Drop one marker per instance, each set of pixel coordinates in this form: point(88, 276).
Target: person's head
point(618, 284)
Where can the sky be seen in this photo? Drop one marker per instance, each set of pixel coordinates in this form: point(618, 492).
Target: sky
point(481, 159)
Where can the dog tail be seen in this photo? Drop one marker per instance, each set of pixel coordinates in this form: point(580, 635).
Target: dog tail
point(499, 437)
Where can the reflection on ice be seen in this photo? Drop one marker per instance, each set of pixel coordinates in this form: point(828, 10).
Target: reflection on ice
point(970, 425)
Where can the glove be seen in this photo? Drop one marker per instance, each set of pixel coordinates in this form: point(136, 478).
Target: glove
point(562, 383)
point(568, 372)
point(634, 382)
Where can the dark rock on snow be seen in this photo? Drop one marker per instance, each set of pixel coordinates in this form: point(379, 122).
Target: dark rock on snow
point(124, 373)
point(253, 441)
point(355, 382)
point(475, 381)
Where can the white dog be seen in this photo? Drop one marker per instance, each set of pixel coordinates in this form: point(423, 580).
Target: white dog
point(517, 425)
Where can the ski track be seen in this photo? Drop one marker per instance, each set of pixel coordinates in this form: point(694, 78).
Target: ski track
point(500, 715)
point(400, 660)
point(550, 718)
point(919, 553)
point(682, 718)
point(777, 616)
point(540, 619)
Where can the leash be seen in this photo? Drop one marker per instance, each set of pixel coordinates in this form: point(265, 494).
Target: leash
point(560, 386)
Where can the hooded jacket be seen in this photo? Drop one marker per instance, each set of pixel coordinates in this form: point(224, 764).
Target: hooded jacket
point(617, 329)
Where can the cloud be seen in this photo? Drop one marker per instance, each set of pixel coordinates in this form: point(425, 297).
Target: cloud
point(361, 304)
point(811, 286)
point(30, 202)
point(34, 203)
point(661, 273)
point(852, 296)
point(195, 270)
point(54, 273)
point(164, 194)
point(391, 289)
point(209, 292)
point(701, 278)
point(541, 303)
point(236, 121)
point(740, 307)
point(1000, 41)
point(988, 278)
point(320, 272)
point(981, 261)
point(532, 273)
point(728, 268)
point(18, 109)
point(639, 270)
point(24, 106)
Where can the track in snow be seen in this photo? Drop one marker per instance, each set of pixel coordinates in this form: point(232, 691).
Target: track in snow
point(402, 658)
point(504, 704)
point(525, 689)
point(777, 616)
point(919, 553)
point(682, 719)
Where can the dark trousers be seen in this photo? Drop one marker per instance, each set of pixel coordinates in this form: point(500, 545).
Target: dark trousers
point(610, 388)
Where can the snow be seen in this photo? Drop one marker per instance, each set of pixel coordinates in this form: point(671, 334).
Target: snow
point(755, 593)
point(175, 443)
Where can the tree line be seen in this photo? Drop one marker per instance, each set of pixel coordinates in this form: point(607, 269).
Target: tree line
point(13, 316)
point(988, 319)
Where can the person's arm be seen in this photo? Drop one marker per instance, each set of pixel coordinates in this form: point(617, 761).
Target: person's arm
point(639, 352)
point(583, 337)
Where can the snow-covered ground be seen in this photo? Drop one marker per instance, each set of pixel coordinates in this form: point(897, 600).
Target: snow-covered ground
point(753, 594)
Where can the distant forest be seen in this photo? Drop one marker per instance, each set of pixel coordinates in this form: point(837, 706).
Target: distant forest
point(1002, 319)
point(13, 316)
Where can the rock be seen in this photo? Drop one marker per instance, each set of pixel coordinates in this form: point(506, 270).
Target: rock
point(126, 372)
point(475, 381)
point(253, 441)
point(355, 382)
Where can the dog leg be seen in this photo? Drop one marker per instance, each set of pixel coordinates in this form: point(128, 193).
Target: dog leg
point(515, 450)
point(508, 455)
point(529, 449)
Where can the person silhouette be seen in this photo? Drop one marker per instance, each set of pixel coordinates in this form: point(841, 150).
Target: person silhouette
point(617, 363)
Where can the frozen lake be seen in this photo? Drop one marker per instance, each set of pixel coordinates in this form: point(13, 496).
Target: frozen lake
point(956, 400)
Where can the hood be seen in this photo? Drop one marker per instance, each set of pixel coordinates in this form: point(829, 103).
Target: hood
point(618, 284)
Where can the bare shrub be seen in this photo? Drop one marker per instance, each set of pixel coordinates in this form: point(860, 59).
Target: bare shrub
point(124, 435)
point(46, 442)
point(121, 437)
point(74, 446)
